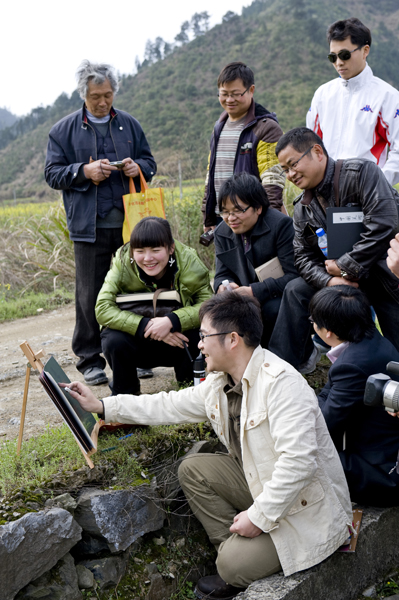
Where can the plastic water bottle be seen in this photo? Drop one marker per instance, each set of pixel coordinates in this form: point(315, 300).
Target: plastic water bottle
point(227, 285)
point(322, 240)
point(199, 369)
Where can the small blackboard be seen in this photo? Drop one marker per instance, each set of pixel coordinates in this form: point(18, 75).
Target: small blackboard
point(81, 423)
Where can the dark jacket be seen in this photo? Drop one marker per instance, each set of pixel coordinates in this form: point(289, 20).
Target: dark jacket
point(72, 141)
point(255, 155)
point(361, 184)
point(271, 236)
point(372, 436)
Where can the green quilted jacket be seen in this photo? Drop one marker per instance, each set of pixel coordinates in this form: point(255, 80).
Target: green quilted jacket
point(191, 281)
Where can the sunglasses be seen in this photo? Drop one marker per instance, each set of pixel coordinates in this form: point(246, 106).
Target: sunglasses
point(342, 55)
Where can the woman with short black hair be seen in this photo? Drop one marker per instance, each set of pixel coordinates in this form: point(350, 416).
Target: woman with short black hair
point(152, 260)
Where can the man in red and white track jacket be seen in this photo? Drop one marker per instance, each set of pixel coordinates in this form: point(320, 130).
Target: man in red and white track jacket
point(356, 115)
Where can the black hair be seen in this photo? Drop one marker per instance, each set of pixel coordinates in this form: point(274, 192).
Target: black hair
point(300, 138)
point(151, 232)
point(244, 187)
point(236, 70)
point(359, 34)
point(344, 310)
point(232, 312)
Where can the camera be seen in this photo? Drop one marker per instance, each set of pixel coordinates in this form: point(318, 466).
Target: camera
point(207, 238)
point(381, 389)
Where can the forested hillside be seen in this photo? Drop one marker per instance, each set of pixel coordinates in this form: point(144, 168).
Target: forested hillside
point(175, 98)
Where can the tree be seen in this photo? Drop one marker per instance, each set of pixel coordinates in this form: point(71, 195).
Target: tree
point(200, 23)
point(228, 16)
point(182, 36)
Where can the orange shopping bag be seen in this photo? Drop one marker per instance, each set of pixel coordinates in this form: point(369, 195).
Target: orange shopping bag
point(147, 203)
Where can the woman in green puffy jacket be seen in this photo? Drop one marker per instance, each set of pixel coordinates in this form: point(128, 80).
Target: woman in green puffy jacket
point(152, 260)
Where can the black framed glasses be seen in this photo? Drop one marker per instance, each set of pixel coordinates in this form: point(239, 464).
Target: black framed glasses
point(342, 54)
point(235, 96)
point(203, 336)
point(236, 213)
point(294, 165)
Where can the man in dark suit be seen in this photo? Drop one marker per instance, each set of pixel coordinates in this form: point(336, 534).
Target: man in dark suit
point(250, 235)
point(341, 316)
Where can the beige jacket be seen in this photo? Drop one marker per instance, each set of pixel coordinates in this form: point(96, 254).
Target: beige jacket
point(293, 470)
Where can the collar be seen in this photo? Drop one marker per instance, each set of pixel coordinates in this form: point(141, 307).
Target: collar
point(255, 113)
point(252, 370)
point(324, 187)
point(355, 83)
point(112, 113)
point(336, 352)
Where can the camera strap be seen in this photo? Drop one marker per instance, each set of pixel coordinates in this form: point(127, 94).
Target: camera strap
point(396, 467)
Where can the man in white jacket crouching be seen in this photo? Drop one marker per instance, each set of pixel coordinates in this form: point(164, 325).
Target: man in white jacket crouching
point(278, 498)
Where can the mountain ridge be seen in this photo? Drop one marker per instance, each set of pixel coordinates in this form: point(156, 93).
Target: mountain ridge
point(175, 99)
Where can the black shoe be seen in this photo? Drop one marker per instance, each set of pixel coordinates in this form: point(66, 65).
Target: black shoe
point(213, 587)
point(144, 373)
point(95, 376)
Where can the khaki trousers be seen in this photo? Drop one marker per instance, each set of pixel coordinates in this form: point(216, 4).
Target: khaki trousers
point(216, 489)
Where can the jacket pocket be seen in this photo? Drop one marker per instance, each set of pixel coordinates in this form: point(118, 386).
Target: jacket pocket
point(311, 494)
point(255, 419)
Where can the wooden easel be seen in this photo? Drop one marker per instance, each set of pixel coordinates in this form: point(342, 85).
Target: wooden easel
point(34, 362)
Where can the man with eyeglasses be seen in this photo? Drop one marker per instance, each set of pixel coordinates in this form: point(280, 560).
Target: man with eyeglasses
point(277, 499)
point(251, 235)
point(243, 140)
point(357, 114)
point(359, 184)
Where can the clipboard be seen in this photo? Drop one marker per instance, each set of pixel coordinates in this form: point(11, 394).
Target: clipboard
point(344, 229)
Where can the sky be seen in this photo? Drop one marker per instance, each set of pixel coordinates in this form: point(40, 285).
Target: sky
point(43, 42)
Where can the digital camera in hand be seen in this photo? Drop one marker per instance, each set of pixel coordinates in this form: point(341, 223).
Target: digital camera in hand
point(207, 238)
point(381, 389)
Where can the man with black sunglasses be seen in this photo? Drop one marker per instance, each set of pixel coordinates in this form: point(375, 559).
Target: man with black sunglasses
point(356, 115)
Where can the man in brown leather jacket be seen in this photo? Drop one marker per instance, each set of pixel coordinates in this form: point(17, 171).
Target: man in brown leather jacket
point(304, 159)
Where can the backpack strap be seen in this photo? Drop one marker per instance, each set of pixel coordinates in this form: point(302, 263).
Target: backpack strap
point(337, 171)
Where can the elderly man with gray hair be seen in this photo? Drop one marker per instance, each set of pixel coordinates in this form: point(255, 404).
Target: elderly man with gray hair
point(81, 149)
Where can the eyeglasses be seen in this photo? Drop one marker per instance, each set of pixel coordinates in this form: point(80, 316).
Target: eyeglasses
point(202, 336)
point(311, 320)
point(294, 165)
point(234, 96)
point(236, 213)
point(342, 55)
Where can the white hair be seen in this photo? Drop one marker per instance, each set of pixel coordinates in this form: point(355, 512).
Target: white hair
point(97, 73)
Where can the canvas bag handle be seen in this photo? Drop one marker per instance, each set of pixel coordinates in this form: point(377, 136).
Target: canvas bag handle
point(143, 183)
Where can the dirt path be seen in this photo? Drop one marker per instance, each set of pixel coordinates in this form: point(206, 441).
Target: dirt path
point(52, 332)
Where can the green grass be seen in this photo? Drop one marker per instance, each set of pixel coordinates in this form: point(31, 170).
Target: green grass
point(31, 303)
point(55, 452)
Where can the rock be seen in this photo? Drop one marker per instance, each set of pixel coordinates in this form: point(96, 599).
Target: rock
point(32, 545)
point(119, 517)
point(370, 591)
point(160, 588)
point(342, 576)
point(89, 546)
point(108, 572)
point(151, 568)
point(64, 501)
point(85, 578)
point(60, 583)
